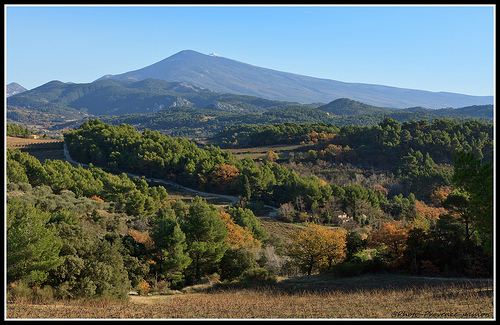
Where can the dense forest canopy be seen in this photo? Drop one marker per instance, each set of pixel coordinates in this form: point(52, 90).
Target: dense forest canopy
point(416, 152)
point(420, 201)
point(379, 145)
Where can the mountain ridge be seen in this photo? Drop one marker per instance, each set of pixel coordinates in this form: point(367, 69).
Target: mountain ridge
point(118, 97)
point(226, 75)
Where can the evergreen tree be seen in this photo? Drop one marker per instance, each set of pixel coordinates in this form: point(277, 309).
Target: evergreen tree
point(477, 180)
point(205, 235)
point(32, 245)
point(170, 242)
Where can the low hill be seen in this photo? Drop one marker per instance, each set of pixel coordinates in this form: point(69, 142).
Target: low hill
point(349, 107)
point(184, 109)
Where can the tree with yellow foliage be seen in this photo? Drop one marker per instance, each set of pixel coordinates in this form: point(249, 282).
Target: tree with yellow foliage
point(318, 246)
point(335, 247)
point(271, 156)
point(238, 236)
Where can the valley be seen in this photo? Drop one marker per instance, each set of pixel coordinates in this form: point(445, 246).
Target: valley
point(149, 198)
point(377, 196)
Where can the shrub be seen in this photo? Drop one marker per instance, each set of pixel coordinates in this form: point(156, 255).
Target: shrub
point(143, 288)
point(18, 291)
point(236, 261)
point(271, 260)
point(347, 269)
point(374, 265)
point(257, 274)
point(25, 187)
point(42, 191)
point(43, 294)
point(12, 186)
point(21, 291)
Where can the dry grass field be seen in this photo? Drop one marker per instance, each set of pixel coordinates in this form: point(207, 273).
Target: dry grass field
point(284, 151)
point(315, 297)
point(39, 148)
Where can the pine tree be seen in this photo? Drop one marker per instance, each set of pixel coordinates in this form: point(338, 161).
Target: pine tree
point(32, 246)
point(205, 235)
point(170, 242)
point(476, 179)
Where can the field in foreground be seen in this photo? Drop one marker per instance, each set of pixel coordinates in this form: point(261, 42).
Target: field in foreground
point(367, 296)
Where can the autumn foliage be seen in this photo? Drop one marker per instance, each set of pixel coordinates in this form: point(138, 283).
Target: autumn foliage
point(96, 198)
point(224, 177)
point(391, 237)
point(238, 236)
point(427, 212)
point(144, 287)
point(318, 246)
point(142, 238)
point(440, 194)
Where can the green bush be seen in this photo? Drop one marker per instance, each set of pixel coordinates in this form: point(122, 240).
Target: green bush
point(235, 262)
point(25, 187)
point(12, 186)
point(374, 265)
point(257, 274)
point(347, 269)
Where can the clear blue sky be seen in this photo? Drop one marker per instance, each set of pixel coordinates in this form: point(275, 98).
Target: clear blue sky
point(436, 48)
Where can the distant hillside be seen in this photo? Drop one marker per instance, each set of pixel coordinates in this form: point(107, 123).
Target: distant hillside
point(349, 107)
point(202, 123)
point(229, 76)
point(14, 88)
point(182, 109)
point(118, 97)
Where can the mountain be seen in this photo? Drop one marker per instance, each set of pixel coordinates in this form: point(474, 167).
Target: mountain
point(118, 97)
point(14, 88)
point(182, 109)
point(225, 75)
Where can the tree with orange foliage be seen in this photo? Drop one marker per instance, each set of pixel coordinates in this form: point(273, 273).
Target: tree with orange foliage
point(317, 246)
point(439, 195)
point(142, 238)
point(224, 177)
point(238, 236)
point(271, 156)
point(391, 237)
point(425, 211)
point(381, 189)
point(96, 198)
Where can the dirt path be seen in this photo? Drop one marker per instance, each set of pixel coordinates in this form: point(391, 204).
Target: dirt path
point(231, 199)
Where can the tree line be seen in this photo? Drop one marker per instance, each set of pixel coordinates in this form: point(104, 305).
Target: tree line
point(376, 145)
point(18, 131)
point(86, 233)
point(51, 235)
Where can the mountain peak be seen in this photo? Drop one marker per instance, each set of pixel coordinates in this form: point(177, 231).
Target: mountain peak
point(226, 75)
point(14, 88)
